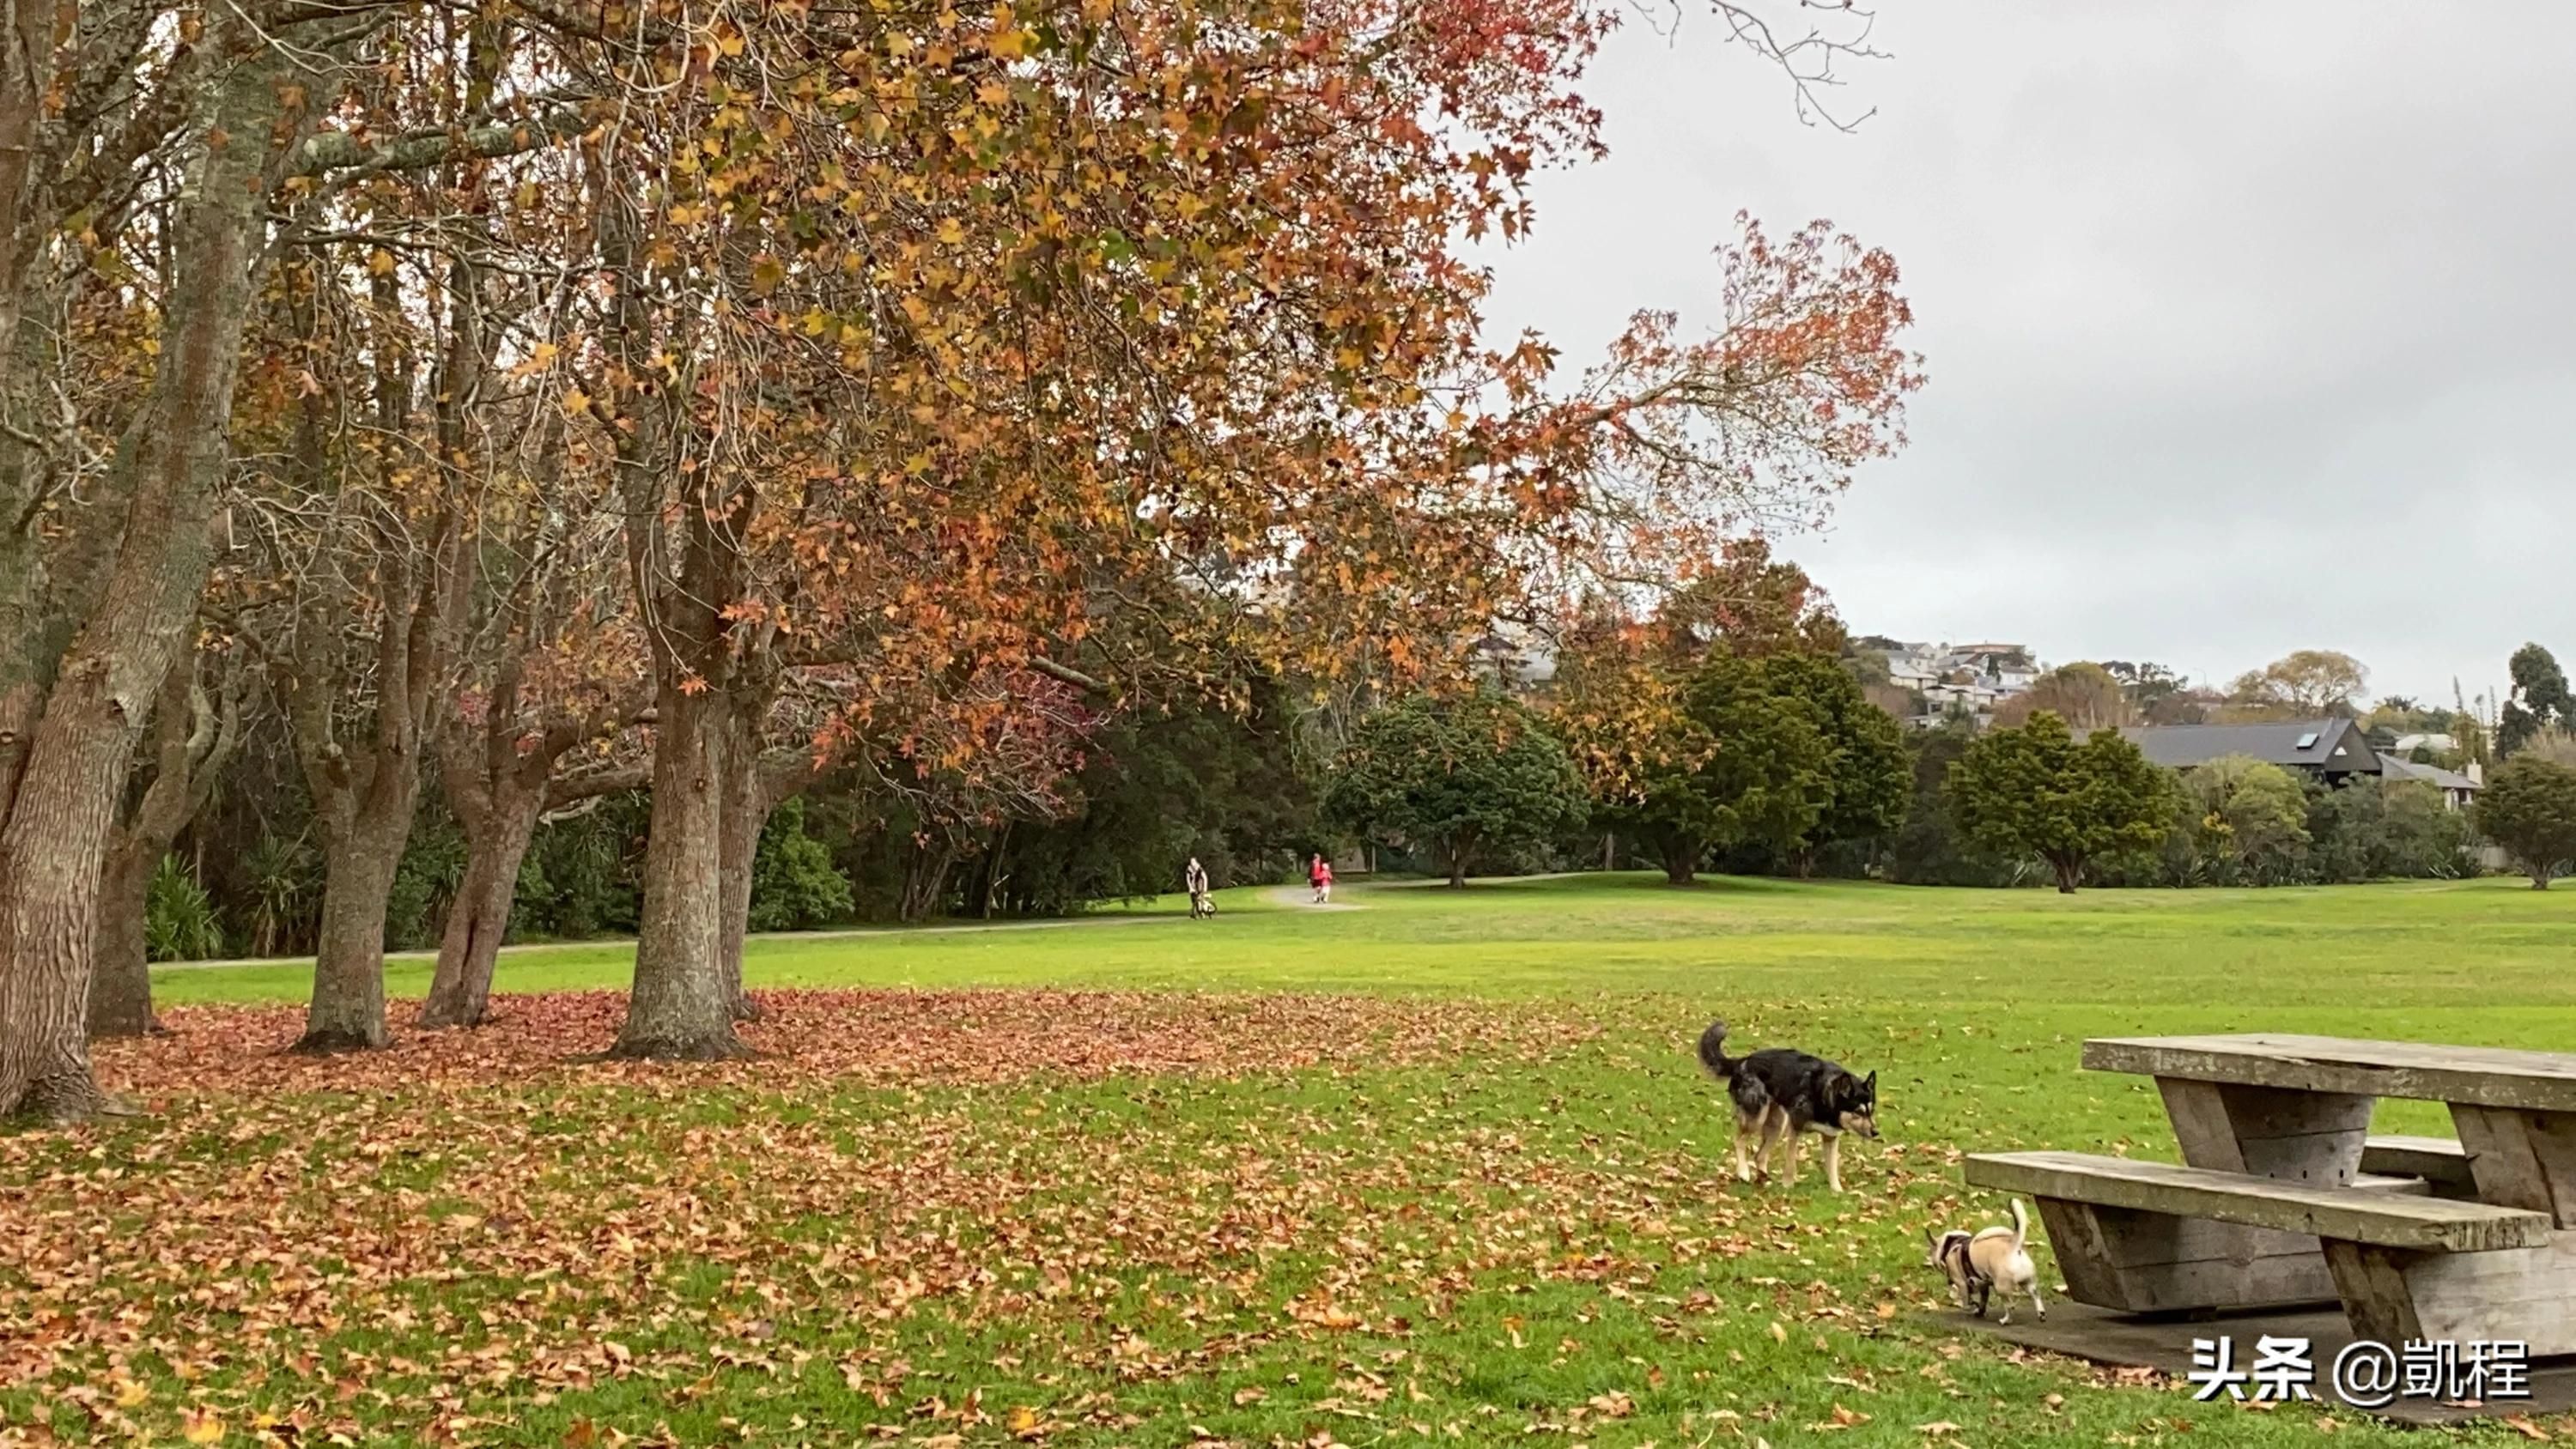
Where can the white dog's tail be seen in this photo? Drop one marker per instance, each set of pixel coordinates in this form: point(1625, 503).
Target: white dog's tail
point(2021, 1226)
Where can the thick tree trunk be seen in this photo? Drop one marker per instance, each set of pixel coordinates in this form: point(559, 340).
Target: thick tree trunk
point(26, 34)
point(681, 1007)
point(2069, 872)
point(1457, 870)
point(348, 1008)
point(1681, 860)
point(53, 844)
point(120, 986)
point(469, 948)
point(194, 739)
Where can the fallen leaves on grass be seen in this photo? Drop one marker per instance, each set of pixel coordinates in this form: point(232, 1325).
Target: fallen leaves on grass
point(430, 1241)
point(869, 1036)
point(933, 1217)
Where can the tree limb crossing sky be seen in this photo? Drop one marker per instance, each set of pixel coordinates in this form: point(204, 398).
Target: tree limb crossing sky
point(2249, 327)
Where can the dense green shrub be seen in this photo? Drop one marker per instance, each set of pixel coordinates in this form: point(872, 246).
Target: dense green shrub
point(179, 922)
point(794, 885)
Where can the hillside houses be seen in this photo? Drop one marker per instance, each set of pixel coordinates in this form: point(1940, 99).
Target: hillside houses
point(1955, 678)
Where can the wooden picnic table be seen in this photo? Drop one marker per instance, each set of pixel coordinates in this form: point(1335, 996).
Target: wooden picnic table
point(2299, 1106)
point(2284, 1197)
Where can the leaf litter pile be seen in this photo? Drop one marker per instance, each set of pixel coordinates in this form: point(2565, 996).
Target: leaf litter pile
point(977, 1217)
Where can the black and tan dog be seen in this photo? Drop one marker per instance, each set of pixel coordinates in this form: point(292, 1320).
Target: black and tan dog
point(1784, 1094)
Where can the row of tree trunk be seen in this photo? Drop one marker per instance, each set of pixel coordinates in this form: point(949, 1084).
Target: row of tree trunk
point(75, 861)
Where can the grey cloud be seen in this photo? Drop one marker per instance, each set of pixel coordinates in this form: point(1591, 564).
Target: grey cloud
point(2251, 327)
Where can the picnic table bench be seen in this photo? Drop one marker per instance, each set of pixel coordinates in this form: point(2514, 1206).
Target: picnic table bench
point(2284, 1198)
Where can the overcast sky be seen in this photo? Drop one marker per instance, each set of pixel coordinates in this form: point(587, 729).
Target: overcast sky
point(2250, 327)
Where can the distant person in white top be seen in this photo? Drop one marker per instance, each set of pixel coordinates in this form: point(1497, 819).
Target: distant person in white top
point(1197, 881)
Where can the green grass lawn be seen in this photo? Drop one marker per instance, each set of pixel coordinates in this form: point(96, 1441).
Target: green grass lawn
point(1439, 1168)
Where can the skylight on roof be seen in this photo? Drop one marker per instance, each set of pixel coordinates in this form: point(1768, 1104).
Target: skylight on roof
point(2308, 740)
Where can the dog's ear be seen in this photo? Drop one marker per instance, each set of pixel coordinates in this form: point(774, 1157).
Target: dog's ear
point(1869, 1084)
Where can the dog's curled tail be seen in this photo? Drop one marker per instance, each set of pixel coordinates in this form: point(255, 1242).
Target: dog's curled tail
point(2021, 1226)
point(1712, 1052)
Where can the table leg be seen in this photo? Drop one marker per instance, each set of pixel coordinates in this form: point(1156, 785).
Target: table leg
point(2142, 1262)
point(2149, 1262)
point(2517, 1295)
point(2521, 1159)
point(2268, 1131)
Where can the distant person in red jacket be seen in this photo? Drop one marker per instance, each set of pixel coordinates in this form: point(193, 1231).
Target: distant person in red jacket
point(1323, 881)
point(1315, 876)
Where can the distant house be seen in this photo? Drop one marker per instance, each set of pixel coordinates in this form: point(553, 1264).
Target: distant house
point(2332, 750)
point(2458, 788)
point(1514, 658)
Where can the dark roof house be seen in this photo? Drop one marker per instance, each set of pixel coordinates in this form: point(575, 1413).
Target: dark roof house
point(2457, 789)
point(2333, 749)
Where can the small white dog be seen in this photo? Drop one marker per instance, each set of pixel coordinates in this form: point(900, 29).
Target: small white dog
point(1978, 1263)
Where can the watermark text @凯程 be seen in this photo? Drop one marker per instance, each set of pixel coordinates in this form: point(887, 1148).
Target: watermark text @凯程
point(2364, 1374)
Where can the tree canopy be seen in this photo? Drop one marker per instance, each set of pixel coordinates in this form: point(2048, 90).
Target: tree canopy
point(2035, 790)
point(2085, 695)
point(2540, 701)
point(2529, 808)
point(2304, 683)
point(1456, 776)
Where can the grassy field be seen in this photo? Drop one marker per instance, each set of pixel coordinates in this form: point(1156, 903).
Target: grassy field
point(1437, 1168)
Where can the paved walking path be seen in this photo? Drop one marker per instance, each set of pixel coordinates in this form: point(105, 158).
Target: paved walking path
point(1302, 898)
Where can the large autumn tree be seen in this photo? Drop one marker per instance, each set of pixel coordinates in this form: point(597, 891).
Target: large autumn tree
point(928, 343)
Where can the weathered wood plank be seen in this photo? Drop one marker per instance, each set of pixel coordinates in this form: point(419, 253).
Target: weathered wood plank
point(2501, 1157)
point(2439, 1160)
point(2417, 1071)
point(2521, 1159)
point(2144, 1240)
point(2200, 1124)
point(2376, 1299)
point(2139, 1262)
point(2108, 1257)
point(2083, 1253)
point(2267, 1131)
point(2523, 1294)
point(2357, 1215)
point(2262, 1113)
point(2553, 1143)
